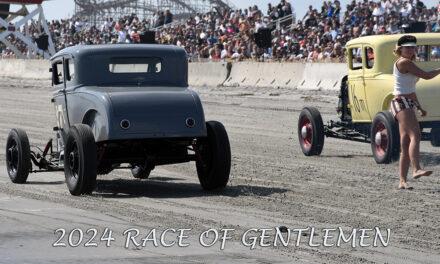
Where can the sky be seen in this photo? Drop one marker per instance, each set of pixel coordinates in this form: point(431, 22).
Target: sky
point(55, 9)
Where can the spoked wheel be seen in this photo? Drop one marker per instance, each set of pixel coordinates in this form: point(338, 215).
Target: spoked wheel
point(214, 157)
point(385, 141)
point(80, 160)
point(311, 131)
point(380, 139)
point(18, 160)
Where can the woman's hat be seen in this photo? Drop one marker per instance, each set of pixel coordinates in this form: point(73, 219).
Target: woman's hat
point(407, 41)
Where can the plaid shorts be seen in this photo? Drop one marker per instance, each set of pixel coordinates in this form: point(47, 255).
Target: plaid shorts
point(401, 103)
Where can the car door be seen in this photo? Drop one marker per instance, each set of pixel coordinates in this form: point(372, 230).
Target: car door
point(356, 85)
point(59, 99)
point(378, 86)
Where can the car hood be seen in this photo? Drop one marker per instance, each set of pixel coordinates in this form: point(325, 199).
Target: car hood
point(155, 111)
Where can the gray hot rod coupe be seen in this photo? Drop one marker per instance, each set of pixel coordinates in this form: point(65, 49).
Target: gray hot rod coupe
point(123, 104)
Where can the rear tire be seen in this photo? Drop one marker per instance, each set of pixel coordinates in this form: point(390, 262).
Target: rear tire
point(435, 137)
point(18, 156)
point(385, 139)
point(80, 162)
point(311, 131)
point(214, 157)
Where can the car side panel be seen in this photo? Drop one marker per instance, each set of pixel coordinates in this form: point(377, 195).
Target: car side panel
point(357, 98)
point(379, 92)
point(90, 109)
point(428, 93)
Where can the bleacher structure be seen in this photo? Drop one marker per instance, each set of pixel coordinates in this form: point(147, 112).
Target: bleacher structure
point(11, 23)
point(97, 11)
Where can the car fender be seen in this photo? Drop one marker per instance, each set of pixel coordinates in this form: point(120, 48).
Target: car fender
point(97, 123)
point(386, 103)
point(90, 108)
point(199, 107)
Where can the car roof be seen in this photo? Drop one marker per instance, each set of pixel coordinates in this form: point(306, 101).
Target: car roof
point(377, 40)
point(141, 49)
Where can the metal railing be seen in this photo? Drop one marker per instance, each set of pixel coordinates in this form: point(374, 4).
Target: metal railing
point(224, 3)
point(169, 25)
point(285, 22)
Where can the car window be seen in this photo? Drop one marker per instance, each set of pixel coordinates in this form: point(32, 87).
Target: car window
point(70, 69)
point(422, 53)
point(57, 73)
point(356, 58)
point(435, 53)
point(135, 65)
point(369, 55)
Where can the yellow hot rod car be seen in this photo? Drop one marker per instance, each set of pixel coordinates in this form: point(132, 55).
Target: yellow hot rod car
point(365, 96)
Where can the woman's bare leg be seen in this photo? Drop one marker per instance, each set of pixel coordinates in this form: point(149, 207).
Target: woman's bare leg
point(414, 153)
point(409, 127)
point(402, 118)
point(414, 148)
point(404, 160)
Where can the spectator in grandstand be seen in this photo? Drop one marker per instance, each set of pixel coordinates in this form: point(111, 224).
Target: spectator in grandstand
point(135, 37)
point(122, 36)
point(160, 19)
point(168, 17)
point(284, 8)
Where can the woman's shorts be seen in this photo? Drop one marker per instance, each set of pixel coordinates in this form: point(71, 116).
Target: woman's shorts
point(401, 103)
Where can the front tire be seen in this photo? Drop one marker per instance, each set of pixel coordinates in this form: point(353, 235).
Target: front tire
point(80, 164)
point(311, 131)
point(214, 157)
point(385, 139)
point(18, 156)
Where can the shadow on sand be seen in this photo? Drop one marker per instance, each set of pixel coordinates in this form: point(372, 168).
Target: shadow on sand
point(160, 187)
point(430, 159)
point(347, 156)
point(45, 183)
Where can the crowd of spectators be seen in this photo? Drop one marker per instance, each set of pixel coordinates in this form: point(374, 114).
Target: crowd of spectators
point(76, 31)
point(320, 35)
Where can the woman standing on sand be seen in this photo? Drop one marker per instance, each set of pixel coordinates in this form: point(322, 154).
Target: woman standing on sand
point(406, 75)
